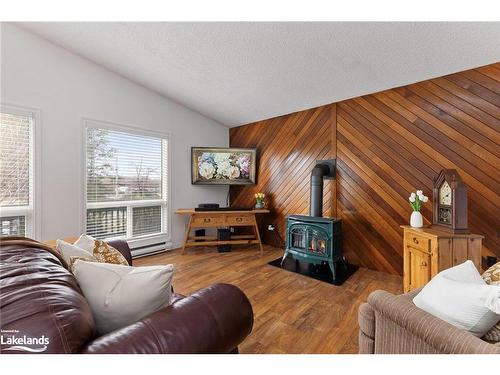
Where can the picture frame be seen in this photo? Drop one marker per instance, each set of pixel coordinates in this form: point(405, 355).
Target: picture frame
point(223, 166)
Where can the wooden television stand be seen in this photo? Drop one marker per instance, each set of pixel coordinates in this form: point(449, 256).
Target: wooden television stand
point(223, 218)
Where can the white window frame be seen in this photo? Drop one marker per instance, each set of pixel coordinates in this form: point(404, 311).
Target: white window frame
point(32, 211)
point(164, 237)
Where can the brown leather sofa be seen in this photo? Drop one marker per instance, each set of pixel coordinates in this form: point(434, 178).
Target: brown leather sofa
point(41, 299)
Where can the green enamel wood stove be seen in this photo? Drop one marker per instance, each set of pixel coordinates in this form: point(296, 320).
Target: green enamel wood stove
point(315, 239)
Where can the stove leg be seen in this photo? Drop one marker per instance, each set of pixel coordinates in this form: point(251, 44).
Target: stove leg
point(344, 263)
point(332, 268)
point(283, 259)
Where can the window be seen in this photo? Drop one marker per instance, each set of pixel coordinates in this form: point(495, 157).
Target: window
point(16, 172)
point(126, 178)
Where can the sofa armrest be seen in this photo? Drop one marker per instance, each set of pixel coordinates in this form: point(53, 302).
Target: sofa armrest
point(366, 321)
point(213, 320)
point(423, 327)
point(123, 248)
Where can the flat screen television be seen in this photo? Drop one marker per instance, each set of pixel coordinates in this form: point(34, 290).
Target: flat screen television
point(223, 166)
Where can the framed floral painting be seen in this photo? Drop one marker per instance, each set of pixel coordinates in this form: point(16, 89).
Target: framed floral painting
point(223, 166)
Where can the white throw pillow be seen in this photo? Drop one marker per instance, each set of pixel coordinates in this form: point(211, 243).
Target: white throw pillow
point(68, 250)
point(86, 243)
point(460, 297)
point(121, 295)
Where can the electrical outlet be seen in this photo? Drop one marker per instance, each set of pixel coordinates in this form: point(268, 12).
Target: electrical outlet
point(271, 227)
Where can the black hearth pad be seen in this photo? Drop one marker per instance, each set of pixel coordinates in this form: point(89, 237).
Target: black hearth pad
point(319, 272)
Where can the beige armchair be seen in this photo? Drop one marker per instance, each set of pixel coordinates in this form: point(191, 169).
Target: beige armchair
point(390, 324)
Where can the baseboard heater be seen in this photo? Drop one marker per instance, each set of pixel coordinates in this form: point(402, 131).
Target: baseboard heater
point(142, 251)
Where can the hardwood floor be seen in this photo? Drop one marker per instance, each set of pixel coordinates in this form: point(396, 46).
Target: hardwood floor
point(293, 313)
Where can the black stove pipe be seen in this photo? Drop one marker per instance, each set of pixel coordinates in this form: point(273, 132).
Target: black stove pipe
point(316, 189)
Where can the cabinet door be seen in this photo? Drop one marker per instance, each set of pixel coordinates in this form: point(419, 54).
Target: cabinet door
point(420, 268)
point(474, 252)
point(459, 250)
point(445, 253)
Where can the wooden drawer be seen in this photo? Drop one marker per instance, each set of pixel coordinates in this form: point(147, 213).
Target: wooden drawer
point(418, 242)
point(236, 220)
point(208, 220)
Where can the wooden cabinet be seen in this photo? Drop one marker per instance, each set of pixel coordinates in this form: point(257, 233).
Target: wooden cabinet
point(427, 251)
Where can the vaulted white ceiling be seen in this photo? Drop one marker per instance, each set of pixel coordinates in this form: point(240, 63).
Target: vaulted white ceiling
point(238, 73)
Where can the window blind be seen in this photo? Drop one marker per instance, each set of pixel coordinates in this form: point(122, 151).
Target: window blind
point(15, 144)
point(126, 183)
point(123, 167)
point(107, 222)
point(16, 172)
point(13, 226)
point(147, 220)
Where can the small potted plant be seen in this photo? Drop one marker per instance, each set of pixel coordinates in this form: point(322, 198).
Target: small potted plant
point(259, 200)
point(416, 200)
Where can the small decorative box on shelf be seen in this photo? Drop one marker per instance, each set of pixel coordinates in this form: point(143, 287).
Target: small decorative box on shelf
point(428, 251)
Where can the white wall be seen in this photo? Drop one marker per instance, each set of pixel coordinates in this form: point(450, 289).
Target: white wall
point(66, 88)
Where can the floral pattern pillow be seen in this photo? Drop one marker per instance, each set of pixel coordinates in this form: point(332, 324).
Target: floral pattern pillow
point(105, 253)
point(492, 277)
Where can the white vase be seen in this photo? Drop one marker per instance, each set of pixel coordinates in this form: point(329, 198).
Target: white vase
point(416, 220)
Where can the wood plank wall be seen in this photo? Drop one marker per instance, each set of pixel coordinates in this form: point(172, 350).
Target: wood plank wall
point(287, 149)
point(387, 144)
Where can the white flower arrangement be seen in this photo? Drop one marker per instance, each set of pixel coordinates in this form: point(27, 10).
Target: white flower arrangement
point(417, 199)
